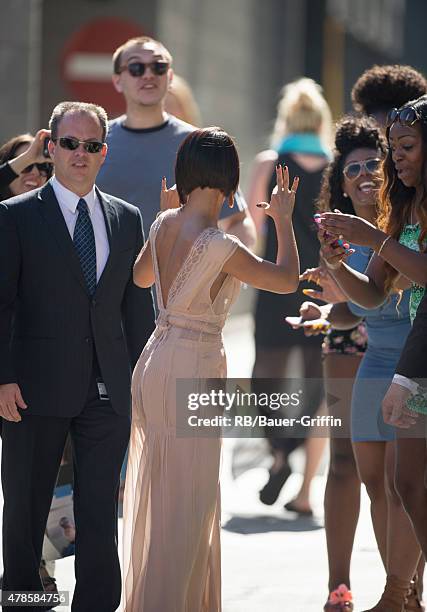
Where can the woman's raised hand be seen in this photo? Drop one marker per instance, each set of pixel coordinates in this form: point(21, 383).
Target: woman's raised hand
point(282, 199)
point(169, 198)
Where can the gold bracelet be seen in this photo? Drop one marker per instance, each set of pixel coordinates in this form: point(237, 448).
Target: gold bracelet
point(383, 245)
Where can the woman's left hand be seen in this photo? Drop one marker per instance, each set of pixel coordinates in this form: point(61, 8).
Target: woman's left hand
point(169, 198)
point(354, 229)
point(332, 255)
point(395, 411)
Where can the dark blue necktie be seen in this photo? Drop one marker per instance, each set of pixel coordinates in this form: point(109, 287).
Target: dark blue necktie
point(84, 243)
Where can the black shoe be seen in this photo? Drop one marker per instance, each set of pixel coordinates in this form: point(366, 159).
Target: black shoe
point(292, 507)
point(48, 581)
point(271, 491)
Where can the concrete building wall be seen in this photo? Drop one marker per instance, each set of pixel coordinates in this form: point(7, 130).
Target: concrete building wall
point(236, 54)
point(19, 66)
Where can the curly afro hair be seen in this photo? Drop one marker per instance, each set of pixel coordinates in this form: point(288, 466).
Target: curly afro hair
point(384, 87)
point(351, 133)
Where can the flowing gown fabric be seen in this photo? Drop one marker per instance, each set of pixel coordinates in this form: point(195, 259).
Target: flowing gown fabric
point(172, 499)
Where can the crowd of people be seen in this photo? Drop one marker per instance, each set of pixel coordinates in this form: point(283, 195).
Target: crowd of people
point(87, 356)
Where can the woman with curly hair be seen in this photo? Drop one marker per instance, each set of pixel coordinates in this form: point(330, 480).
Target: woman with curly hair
point(381, 88)
point(350, 185)
point(399, 246)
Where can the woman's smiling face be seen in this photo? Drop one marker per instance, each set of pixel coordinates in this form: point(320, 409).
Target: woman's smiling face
point(363, 188)
point(407, 152)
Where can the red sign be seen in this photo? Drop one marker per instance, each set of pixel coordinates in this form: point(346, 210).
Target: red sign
point(86, 63)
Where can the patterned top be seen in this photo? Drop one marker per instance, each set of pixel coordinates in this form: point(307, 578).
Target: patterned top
point(409, 238)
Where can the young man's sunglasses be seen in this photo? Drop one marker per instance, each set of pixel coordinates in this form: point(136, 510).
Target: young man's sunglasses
point(45, 169)
point(353, 170)
point(70, 143)
point(406, 116)
point(137, 69)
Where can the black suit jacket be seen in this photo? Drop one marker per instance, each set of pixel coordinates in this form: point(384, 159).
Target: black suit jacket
point(50, 327)
point(413, 359)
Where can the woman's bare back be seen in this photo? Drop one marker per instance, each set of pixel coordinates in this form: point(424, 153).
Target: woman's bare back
point(174, 243)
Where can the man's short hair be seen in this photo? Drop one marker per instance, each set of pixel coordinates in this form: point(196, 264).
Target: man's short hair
point(137, 40)
point(64, 108)
point(207, 158)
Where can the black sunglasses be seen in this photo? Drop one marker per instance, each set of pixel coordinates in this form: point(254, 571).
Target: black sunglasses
point(353, 170)
point(406, 116)
point(45, 169)
point(137, 69)
point(70, 143)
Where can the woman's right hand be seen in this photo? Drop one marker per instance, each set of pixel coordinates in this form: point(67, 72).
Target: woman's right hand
point(282, 199)
point(331, 292)
point(169, 198)
point(313, 320)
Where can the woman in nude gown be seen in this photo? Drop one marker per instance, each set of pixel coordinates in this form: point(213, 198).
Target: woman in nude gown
point(172, 557)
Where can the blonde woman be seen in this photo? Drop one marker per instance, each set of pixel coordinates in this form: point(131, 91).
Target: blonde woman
point(300, 140)
point(181, 103)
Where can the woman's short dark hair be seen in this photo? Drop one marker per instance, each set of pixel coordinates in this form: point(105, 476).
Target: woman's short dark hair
point(9, 151)
point(381, 88)
point(207, 158)
point(351, 133)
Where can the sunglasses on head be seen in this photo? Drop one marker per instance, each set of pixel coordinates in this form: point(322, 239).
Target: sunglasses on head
point(137, 69)
point(353, 170)
point(406, 116)
point(45, 169)
point(70, 143)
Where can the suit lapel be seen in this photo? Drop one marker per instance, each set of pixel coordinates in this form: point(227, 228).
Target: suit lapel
point(50, 210)
point(111, 225)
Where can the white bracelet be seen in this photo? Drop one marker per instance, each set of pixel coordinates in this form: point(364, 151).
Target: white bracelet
point(383, 245)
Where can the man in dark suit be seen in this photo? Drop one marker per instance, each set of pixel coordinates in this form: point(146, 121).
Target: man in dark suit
point(72, 326)
point(411, 372)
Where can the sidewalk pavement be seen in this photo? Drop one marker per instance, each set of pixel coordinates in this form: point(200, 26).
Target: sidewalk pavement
point(272, 561)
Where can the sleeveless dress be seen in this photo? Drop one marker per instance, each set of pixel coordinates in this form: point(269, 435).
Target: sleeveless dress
point(172, 557)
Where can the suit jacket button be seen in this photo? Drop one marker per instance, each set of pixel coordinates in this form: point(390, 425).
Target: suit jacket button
point(87, 340)
point(94, 303)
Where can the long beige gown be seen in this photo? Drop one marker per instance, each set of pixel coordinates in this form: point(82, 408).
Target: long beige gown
point(172, 499)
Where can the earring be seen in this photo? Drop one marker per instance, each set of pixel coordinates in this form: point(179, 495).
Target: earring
point(345, 194)
point(231, 201)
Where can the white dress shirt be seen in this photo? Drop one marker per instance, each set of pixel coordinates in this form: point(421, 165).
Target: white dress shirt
point(68, 201)
point(403, 381)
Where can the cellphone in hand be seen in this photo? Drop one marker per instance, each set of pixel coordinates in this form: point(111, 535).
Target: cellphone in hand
point(45, 147)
